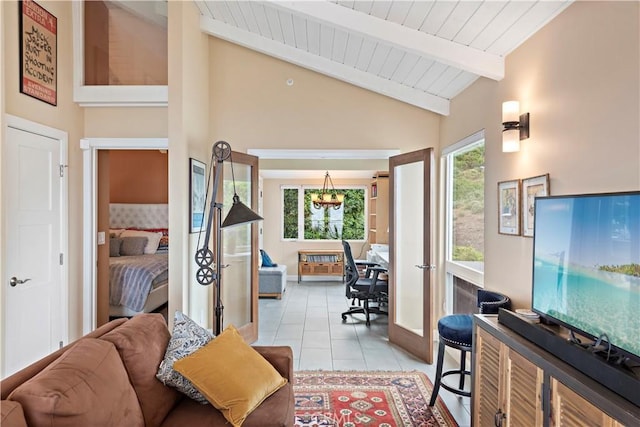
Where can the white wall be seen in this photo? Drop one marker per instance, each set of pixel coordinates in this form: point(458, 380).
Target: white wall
point(579, 79)
point(66, 116)
point(188, 125)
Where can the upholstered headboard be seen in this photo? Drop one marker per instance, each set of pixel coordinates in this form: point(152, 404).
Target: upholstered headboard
point(133, 215)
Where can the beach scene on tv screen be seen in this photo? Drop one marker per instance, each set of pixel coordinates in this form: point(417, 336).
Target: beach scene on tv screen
point(587, 265)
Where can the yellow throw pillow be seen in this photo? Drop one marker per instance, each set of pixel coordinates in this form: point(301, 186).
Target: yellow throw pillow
point(234, 377)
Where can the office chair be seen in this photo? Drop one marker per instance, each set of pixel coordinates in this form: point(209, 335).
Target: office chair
point(456, 331)
point(365, 289)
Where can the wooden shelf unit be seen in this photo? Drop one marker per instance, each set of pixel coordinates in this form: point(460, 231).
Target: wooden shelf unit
point(379, 209)
point(515, 382)
point(320, 262)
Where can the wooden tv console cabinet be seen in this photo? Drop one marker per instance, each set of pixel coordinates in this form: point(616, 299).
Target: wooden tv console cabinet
point(515, 382)
point(320, 262)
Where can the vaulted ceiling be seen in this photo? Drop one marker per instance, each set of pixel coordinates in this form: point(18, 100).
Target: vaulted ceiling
point(420, 52)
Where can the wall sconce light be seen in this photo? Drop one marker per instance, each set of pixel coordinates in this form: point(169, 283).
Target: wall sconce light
point(515, 126)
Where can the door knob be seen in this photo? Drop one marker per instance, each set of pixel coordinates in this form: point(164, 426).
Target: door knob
point(15, 281)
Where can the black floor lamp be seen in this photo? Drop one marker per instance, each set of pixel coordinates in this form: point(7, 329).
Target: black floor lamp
point(238, 214)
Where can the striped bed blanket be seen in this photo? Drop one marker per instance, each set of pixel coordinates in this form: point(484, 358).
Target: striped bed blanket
point(132, 277)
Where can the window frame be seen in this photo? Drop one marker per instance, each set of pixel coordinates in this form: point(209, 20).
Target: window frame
point(301, 189)
point(454, 268)
point(107, 95)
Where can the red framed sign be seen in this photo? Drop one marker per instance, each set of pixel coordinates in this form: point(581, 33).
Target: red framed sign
point(38, 52)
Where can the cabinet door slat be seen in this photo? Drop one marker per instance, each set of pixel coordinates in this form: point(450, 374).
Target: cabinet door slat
point(487, 379)
point(527, 386)
point(571, 409)
point(523, 388)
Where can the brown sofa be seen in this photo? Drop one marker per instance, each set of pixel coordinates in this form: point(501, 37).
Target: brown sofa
point(108, 378)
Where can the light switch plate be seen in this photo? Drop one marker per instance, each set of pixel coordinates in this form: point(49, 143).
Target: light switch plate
point(101, 237)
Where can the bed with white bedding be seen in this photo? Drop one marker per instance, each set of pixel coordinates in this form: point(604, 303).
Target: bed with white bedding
point(138, 267)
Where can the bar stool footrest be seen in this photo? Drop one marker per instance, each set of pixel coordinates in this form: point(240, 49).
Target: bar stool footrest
point(454, 389)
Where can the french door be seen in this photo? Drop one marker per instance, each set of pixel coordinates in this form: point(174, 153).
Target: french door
point(411, 258)
point(240, 248)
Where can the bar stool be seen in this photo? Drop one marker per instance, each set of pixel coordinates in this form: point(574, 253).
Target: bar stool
point(456, 331)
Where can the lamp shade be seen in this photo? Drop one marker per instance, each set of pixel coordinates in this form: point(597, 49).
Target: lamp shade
point(510, 141)
point(510, 111)
point(239, 214)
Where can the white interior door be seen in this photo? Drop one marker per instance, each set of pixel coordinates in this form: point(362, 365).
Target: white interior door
point(34, 324)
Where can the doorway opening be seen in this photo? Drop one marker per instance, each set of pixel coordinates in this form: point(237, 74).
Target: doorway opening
point(91, 183)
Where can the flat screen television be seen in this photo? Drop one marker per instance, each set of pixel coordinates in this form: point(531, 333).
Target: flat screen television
point(586, 266)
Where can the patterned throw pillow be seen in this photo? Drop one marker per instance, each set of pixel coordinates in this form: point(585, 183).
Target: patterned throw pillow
point(186, 338)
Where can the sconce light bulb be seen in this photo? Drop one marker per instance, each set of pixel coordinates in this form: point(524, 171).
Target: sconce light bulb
point(510, 141)
point(510, 111)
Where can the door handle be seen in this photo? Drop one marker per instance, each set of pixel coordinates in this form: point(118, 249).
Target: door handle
point(426, 266)
point(15, 281)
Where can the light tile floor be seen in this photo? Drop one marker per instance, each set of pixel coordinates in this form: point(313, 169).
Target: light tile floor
point(307, 319)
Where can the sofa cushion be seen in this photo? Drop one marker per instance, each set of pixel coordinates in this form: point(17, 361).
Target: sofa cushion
point(186, 338)
point(141, 342)
point(11, 414)
point(7, 385)
point(234, 377)
point(87, 385)
point(277, 410)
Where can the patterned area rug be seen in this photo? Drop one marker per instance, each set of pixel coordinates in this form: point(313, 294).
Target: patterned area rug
point(365, 398)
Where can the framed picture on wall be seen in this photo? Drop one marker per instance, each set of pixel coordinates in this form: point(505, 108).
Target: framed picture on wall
point(38, 52)
point(536, 186)
point(197, 194)
point(509, 207)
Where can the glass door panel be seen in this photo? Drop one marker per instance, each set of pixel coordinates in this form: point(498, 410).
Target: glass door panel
point(409, 252)
point(236, 251)
point(410, 216)
point(240, 249)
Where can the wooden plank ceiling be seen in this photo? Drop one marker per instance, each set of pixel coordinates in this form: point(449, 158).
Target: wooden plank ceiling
point(420, 52)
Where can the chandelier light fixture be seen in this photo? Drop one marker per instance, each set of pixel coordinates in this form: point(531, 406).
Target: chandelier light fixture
point(329, 197)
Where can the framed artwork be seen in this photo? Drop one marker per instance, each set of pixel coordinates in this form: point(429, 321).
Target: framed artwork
point(509, 207)
point(197, 194)
point(38, 52)
point(536, 186)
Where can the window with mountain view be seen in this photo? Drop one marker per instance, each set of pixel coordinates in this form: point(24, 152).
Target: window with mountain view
point(302, 221)
point(467, 202)
point(464, 204)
